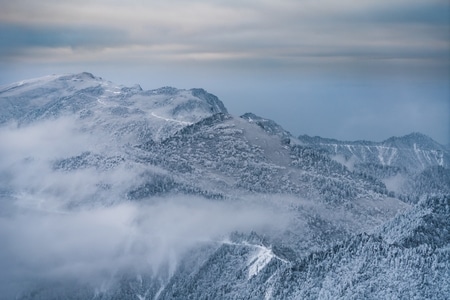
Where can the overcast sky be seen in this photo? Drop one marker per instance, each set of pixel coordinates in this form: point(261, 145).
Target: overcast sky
point(345, 69)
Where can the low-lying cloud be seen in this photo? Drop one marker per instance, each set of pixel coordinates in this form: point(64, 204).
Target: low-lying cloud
point(126, 236)
point(78, 224)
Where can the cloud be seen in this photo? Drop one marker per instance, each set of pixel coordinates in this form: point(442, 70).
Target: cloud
point(413, 12)
point(79, 224)
point(27, 157)
point(92, 245)
point(24, 38)
point(286, 33)
point(130, 234)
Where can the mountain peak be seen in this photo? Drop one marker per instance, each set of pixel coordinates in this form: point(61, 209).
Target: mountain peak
point(269, 126)
point(83, 75)
point(217, 106)
point(93, 99)
point(415, 139)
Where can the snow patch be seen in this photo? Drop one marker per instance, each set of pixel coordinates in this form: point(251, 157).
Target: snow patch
point(259, 260)
point(261, 257)
point(386, 155)
point(269, 292)
point(440, 156)
point(380, 155)
point(170, 120)
point(158, 293)
point(101, 102)
point(392, 156)
point(417, 152)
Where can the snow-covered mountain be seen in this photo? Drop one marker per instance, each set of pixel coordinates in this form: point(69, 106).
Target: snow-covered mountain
point(113, 192)
point(413, 152)
point(410, 166)
point(123, 111)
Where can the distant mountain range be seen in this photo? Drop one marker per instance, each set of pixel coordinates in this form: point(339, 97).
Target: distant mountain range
point(249, 211)
point(411, 166)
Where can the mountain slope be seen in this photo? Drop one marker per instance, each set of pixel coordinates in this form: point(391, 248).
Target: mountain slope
point(411, 166)
point(153, 114)
point(405, 259)
point(397, 261)
point(413, 152)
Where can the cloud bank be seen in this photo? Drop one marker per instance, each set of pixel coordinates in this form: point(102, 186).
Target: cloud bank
point(58, 225)
point(102, 241)
point(285, 33)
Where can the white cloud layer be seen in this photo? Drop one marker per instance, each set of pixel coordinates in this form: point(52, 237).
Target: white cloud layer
point(284, 31)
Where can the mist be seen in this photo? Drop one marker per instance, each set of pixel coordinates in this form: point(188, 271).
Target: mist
point(96, 243)
point(68, 217)
point(58, 224)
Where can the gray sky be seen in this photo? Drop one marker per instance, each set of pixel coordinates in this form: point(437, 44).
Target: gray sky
point(343, 69)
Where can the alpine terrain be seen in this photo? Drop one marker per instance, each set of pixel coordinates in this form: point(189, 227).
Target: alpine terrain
point(113, 192)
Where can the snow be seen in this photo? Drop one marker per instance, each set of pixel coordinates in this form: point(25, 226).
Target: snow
point(418, 156)
point(138, 116)
point(392, 156)
point(158, 293)
point(261, 256)
point(113, 108)
point(171, 120)
point(259, 260)
point(440, 156)
point(269, 292)
point(101, 101)
point(34, 81)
